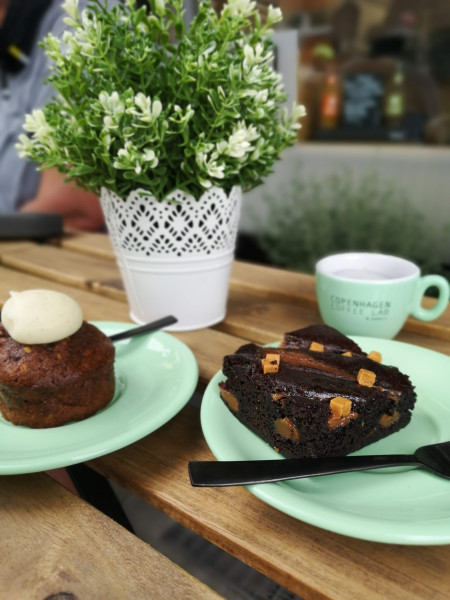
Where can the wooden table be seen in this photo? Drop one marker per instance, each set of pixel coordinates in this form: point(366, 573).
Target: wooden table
point(263, 303)
point(54, 546)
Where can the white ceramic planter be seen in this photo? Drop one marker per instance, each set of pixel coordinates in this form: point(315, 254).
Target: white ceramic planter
point(175, 256)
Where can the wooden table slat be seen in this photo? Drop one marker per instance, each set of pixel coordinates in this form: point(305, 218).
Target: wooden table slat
point(66, 267)
point(91, 244)
point(95, 307)
point(54, 543)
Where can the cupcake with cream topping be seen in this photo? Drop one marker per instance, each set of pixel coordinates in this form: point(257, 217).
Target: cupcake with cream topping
point(54, 366)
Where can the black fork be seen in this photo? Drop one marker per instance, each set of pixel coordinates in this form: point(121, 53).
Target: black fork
point(434, 458)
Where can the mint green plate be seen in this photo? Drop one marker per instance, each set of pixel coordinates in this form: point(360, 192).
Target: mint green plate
point(397, 505)
point(156, 375)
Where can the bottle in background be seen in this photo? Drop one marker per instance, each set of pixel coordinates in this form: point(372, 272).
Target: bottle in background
point(395, 99)
point(330, 103)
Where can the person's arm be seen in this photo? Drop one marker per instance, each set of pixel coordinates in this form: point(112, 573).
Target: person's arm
point(80, 210)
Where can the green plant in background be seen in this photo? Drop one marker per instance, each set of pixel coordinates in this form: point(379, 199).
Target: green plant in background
point(320, 217)
point(145, 101)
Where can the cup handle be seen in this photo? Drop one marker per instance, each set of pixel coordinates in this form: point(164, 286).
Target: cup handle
point(428, 314)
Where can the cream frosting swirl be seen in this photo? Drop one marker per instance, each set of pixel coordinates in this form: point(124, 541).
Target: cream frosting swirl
point(40, 316)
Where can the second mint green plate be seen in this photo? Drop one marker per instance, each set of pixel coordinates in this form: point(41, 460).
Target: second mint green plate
point(156, 375)
point(397, 505)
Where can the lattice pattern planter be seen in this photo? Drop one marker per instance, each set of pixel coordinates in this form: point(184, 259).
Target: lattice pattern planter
point(175, 256)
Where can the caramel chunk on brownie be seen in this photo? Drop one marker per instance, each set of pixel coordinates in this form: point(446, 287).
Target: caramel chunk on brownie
point(374, 355)
point(316, 347)
point(366, 377)
point(340, 407)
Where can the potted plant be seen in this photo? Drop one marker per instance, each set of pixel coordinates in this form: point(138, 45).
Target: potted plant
point(168, 123)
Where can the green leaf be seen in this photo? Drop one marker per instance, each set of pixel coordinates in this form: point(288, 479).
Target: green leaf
point(199, 68)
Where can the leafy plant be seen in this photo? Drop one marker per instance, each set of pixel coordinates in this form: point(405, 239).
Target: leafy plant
point(335, 214)
point(144, 101)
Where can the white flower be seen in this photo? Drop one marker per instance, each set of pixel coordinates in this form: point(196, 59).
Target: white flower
point(262, 97)
point(91, 26)
point(72, 47)
point(112, 104)
point(239, 142)
point(35, 120)
point(68, 38)
point(150, 157)
point(71, 8)
point(215, 170)
point(53, 50)
point(24, 145)
point(36, 124)
point(254, 55)
point(148, 110)
point(143, 102)
point(86, 48)
point(109, 122)
point(211, 166)
point(298, 111)
point(125, 152)
point(130, 158)
point(156, 108)
point(221, 147)
point(253, 75)
point(160, 7)
point(274, 15)
point(239, 8)
point(200, 159)
point(205, 183)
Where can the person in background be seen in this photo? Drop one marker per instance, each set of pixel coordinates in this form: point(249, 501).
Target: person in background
point(23, 70)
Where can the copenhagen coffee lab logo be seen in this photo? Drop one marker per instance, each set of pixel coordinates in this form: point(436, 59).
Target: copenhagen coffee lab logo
point(371, 310)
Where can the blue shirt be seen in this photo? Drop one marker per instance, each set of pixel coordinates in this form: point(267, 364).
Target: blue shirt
point(19, 178)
